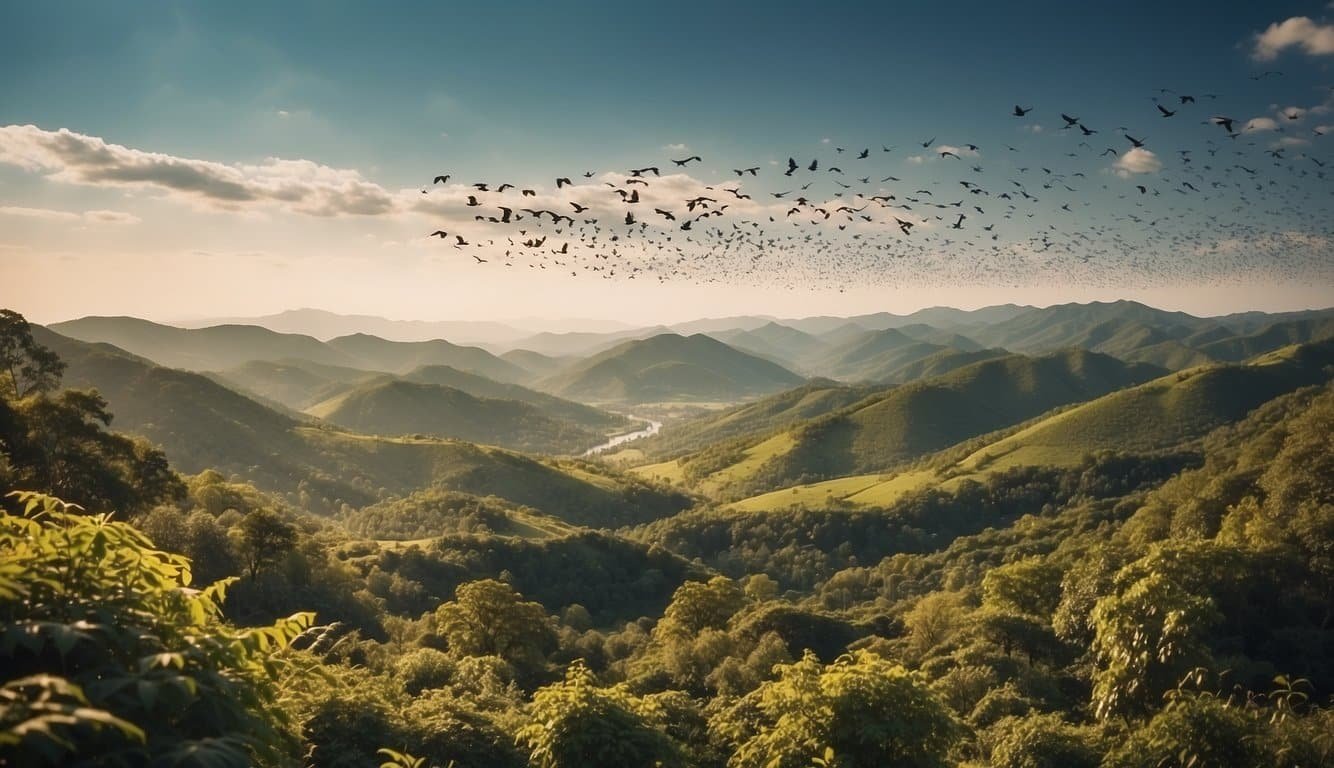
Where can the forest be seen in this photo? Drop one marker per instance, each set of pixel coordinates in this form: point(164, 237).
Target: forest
point(1164, 607)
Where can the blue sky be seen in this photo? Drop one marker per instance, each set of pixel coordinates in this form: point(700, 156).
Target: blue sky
point(527, 91)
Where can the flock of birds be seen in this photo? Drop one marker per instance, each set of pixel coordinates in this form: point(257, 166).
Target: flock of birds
point(1239, 202)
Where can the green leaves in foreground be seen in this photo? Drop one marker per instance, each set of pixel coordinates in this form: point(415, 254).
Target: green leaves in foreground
point(109, 655)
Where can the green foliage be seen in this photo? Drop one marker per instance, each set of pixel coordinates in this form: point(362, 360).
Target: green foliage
point(26, 367)
point(578, 724)
point(868, 710)
point(1044, 741)
point(110, 653)
point(488, 618)
point(58, 444)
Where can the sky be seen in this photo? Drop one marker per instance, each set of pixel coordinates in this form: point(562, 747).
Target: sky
point(185, 160)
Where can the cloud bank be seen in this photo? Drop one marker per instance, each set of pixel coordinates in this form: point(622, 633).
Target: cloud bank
point(1314, 39)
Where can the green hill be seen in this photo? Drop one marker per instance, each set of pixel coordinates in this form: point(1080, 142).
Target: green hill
point(201, 424)
point(900, 424)
point(786, 346)
point(1270, 338)
point(875, 355)
point(536, 364)
point(1169, 413)
point(200, 349)
point(297, 384)
point(397, 407)
point(585, 416)
point(375, 353)
point(815, 398)
point(671, 367)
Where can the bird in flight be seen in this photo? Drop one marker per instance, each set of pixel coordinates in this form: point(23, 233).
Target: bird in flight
point(441, 179)
point(681, 163)
point(1020, 111)
point(1166, 112)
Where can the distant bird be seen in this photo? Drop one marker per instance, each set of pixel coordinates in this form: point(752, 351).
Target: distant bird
point(480, 260)
point(472, 201)
point(1069, 121)
point(560, 182)
point(440, 233)
point(958, 224)
point(927, 144)
point(578, 208)
point(681, 163)
point(741, 171)
point(441, 179)
point(1136, 142)
point(1021, 111)
point(1164, 110)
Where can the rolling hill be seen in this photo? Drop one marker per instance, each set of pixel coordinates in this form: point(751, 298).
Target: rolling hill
point(585, 416)
point(786, 346)
point(903, 423)
point(1167, 413)
point(395, 407)
point(669, 367)
point(200, 349)
point(297, 384)
point(201, 424)
point(375, 353)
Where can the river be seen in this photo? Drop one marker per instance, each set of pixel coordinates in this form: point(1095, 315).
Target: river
point(651, 429)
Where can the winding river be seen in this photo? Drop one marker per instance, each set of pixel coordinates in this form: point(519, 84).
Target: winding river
point(651, 429)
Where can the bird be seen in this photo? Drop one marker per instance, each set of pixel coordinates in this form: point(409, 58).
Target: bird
point(1134, 141)
point(472, 201)
point(441, 179)
point(480, 260)
point(578, 208)
point(681, 163)
point(1164, 110)
point(562, 181)
point(440, 233)
point(1021, 111)
point(927, 144)
point(1069, 121)
point(742, 171)
point(958, 224)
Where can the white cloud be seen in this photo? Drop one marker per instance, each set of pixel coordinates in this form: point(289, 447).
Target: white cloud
point(1314, 39)
point(1289, 141)
point(48, 214)
point(1135, 161)
point(676, 148)
point(1259, 124)
point(298, 185)
point(1034, 128)
point(284, 113)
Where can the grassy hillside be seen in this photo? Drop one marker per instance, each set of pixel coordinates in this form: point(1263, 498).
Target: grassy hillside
point(1272, 337)
point(398, 407)
point(1167, 414)
point(910, 421)
point(671, 367)
point(810, 400)
point(585, 416)
point(201, 425)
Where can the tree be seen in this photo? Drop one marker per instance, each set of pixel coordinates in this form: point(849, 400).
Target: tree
point(1043, 741)
point(1030, 586)
point(110, 658)
point(488, 618)
point(1147, 638)
point(26, 367)
point(59, 444)
point(871, 712)
point(577, 724)
point(698, 605)
point(263, 538)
